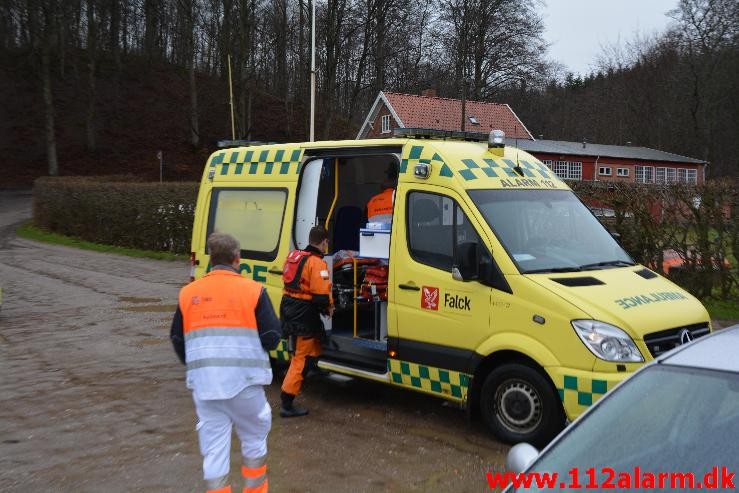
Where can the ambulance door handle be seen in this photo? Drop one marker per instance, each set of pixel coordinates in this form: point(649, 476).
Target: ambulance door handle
point(275, 270)
point(410, 287)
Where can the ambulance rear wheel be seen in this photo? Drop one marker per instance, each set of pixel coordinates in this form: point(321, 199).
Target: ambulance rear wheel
point(519, 404)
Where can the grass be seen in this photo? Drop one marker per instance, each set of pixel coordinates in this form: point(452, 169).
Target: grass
point(722, 309)
point(29, 231)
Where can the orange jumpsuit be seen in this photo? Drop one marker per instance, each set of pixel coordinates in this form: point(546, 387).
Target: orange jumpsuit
point(314, 290)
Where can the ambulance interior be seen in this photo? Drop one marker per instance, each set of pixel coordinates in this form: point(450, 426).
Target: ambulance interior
point(334, 192)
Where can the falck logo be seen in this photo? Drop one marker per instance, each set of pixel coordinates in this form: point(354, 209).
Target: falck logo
point(685, 336)
point(430, 298)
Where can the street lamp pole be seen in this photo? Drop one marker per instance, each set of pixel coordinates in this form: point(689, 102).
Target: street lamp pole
point(313, 72)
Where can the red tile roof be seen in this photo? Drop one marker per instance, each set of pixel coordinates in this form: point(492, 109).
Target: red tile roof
point(446, 114)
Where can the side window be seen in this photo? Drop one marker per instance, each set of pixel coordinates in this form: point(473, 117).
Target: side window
point(468, 246)
point(253, 216)
point(430, 224)
point(437, 228)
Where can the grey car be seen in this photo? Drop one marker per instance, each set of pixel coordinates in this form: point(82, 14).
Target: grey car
point(672, 426)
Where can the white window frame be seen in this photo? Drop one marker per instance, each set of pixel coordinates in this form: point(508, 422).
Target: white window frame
point(682, 175)
point(644, 174)
point(547, 163)
point(660, 175)
point(604, 171)
point(671, 175)
point(385, 121)
point(568, 170)
point(692, 176)
point(575, 171)
point(622, 171)
point(561, 169)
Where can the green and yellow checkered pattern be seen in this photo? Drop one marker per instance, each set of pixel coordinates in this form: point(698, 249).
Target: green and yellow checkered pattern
point(412, 155)
point(280, 352)
point(272, 160)
point(450, 384)
point(472, 169)
point(578, 394)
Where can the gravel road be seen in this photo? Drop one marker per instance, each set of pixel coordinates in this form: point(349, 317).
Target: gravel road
point(93, 398)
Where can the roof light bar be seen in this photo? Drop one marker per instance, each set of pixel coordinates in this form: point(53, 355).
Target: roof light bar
point(496, 139)
point(432, 133)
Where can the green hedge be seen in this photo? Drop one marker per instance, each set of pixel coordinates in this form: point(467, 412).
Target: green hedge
point(697, 222)
point(117, 211)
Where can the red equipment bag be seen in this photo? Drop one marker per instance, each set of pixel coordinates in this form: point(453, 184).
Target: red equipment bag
point(293, 269)
point(375, 276)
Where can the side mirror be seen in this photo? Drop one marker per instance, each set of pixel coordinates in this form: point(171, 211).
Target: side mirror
point(520, 457)
point(466, 262)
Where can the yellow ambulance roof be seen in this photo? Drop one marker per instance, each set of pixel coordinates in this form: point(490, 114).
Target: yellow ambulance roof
point(470, 164)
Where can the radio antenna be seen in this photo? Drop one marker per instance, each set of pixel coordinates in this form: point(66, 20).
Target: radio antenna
point(517, 169)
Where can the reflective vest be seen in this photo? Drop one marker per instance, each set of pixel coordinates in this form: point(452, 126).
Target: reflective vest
point(380, 207)
point(223, 351)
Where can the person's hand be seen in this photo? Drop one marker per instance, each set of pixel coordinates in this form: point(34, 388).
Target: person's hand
point(331, 310)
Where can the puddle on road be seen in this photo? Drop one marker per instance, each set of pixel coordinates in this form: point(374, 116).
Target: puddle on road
point(150, 308)
point(134, 299)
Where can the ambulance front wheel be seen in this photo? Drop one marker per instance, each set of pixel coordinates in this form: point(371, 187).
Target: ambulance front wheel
point(519, 404)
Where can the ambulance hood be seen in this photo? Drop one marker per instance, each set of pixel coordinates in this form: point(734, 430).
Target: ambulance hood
point(633, 298)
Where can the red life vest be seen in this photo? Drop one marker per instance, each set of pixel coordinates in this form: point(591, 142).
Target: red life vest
point(292, 271)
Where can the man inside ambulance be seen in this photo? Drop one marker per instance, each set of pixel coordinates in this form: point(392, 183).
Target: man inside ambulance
point(380, 207)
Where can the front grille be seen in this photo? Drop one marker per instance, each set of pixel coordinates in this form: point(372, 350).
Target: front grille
point(664, 340)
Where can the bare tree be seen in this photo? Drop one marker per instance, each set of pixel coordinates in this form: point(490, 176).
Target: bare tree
point(92, 26)
point(43, 30)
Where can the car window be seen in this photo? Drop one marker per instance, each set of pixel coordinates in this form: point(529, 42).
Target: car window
point(430, 229)
point(437, 226)
point(253, 216)
point(545, 230)
point(664, 419)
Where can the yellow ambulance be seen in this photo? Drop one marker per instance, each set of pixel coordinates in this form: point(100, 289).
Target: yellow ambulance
point(501, 290)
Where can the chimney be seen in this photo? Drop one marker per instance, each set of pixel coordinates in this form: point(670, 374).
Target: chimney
point(584, 143)
point(429, 93)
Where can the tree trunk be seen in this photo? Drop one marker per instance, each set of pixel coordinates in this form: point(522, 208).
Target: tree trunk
point(91, 66)
point(115, 27)
point(151, 28)
point(49, 114)
point(194, 126)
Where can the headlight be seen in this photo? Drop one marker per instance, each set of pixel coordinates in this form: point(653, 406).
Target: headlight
point(606, 341)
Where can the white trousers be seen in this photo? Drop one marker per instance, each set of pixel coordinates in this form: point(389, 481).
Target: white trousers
point(249, 412)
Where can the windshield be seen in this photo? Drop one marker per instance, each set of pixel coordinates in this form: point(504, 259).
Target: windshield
point(548, 230)
point(666, 419)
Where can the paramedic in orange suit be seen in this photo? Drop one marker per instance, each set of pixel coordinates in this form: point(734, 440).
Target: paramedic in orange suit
point(380, 207)
point(306, 296)
point(222, 329)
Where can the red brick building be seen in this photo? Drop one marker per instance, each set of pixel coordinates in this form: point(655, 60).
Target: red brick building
point(598, 162)
point(570, 160)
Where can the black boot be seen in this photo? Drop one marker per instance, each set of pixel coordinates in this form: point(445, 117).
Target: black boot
point(288, 409)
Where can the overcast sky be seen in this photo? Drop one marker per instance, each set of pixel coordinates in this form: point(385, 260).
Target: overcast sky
point(577, 29)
